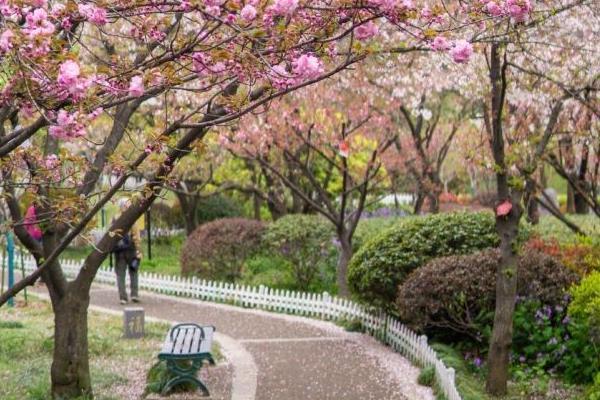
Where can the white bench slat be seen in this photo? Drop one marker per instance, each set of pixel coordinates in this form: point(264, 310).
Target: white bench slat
point(188, 340)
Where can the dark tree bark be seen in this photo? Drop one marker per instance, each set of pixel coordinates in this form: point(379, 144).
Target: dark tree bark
point(507, 223)
point(581, 205)
point(507, 228)
point(189, 206)
point(70, 371)
point(343, 261)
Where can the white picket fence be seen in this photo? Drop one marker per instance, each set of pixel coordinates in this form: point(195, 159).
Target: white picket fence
point(379, 325)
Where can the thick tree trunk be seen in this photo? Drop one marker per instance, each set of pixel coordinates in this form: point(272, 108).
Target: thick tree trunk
point(570, 199)
point(581, 206)
point(342, 267)
point(420, 200)
point(256, 204)
point(70, 373)
point(506, 292)
point(188, 204)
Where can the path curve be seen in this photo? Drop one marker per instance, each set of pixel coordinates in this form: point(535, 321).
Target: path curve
point(278, 356)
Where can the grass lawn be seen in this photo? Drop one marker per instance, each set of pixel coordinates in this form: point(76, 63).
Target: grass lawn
point(165, 255)
point(26, 342)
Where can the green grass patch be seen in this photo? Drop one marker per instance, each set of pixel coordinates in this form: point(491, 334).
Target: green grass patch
point(26, 344)
point(551, 228)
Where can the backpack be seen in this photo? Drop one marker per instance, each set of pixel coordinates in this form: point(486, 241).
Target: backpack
point(124, 244)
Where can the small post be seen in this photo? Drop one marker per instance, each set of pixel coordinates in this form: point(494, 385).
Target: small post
point(10, 250)
point(133, 323)
point(23, 271)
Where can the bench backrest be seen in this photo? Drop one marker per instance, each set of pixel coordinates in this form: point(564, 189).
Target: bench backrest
point(188, 340)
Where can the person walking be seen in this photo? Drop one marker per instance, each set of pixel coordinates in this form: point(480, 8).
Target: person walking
point(128, 256)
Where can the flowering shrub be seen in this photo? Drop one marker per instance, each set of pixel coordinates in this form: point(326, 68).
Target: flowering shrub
point(304, 241)
point(217, 250)
point(547, 338)
point(383, 263)
point(455, 295)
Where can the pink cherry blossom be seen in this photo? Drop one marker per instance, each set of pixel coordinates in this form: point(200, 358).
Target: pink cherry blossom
point(136, 86)
point(307, 67)
point(248, 13)
point(92, 13)
point(68, 73)
point(284, 7)
point(37, 24)
point(518, 9)
point(440, 43)
point(366, 31)
point(493, 9)
point(67, 126)
point(6, 40)
point(461, 52)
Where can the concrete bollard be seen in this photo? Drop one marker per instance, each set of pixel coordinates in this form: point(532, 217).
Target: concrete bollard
point(133, 323)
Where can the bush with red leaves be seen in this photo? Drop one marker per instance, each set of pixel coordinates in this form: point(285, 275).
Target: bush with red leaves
point(217, 250)
point(455, 295)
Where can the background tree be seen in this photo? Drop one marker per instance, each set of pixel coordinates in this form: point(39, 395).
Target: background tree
point(328, 152)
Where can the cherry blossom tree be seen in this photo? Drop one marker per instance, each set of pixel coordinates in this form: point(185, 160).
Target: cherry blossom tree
point(78, 76)
point(75, 74)
point(326, 151)
point(526, 92)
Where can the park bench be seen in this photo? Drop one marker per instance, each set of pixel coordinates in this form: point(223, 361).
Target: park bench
point(185, 348)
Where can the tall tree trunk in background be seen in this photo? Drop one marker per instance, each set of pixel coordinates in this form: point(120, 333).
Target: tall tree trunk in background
point(532, 207)
point(581, 206)
point(189, 206)
point(343, 261)
point(419, 201)
point(70, 370)
point(568, 159)
point(507, 227)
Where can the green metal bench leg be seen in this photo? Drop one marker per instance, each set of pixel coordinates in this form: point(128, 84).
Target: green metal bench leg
point(183, 379)
point(185, 375)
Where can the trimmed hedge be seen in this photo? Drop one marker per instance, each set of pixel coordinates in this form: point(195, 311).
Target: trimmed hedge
point(456, 295)
point(382, 264)
point(305, 241)
point(217, 250)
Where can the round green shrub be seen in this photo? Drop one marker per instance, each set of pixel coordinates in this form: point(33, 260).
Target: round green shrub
point(303, 240)
point(455, 295)
point(585, 305)
point(217, 250)
point(383, 263)
point(216, 207)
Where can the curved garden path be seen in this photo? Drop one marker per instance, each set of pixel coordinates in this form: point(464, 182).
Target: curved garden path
point(282, 357)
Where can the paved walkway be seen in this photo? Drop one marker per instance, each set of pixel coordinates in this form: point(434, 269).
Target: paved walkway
point(281, 357)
